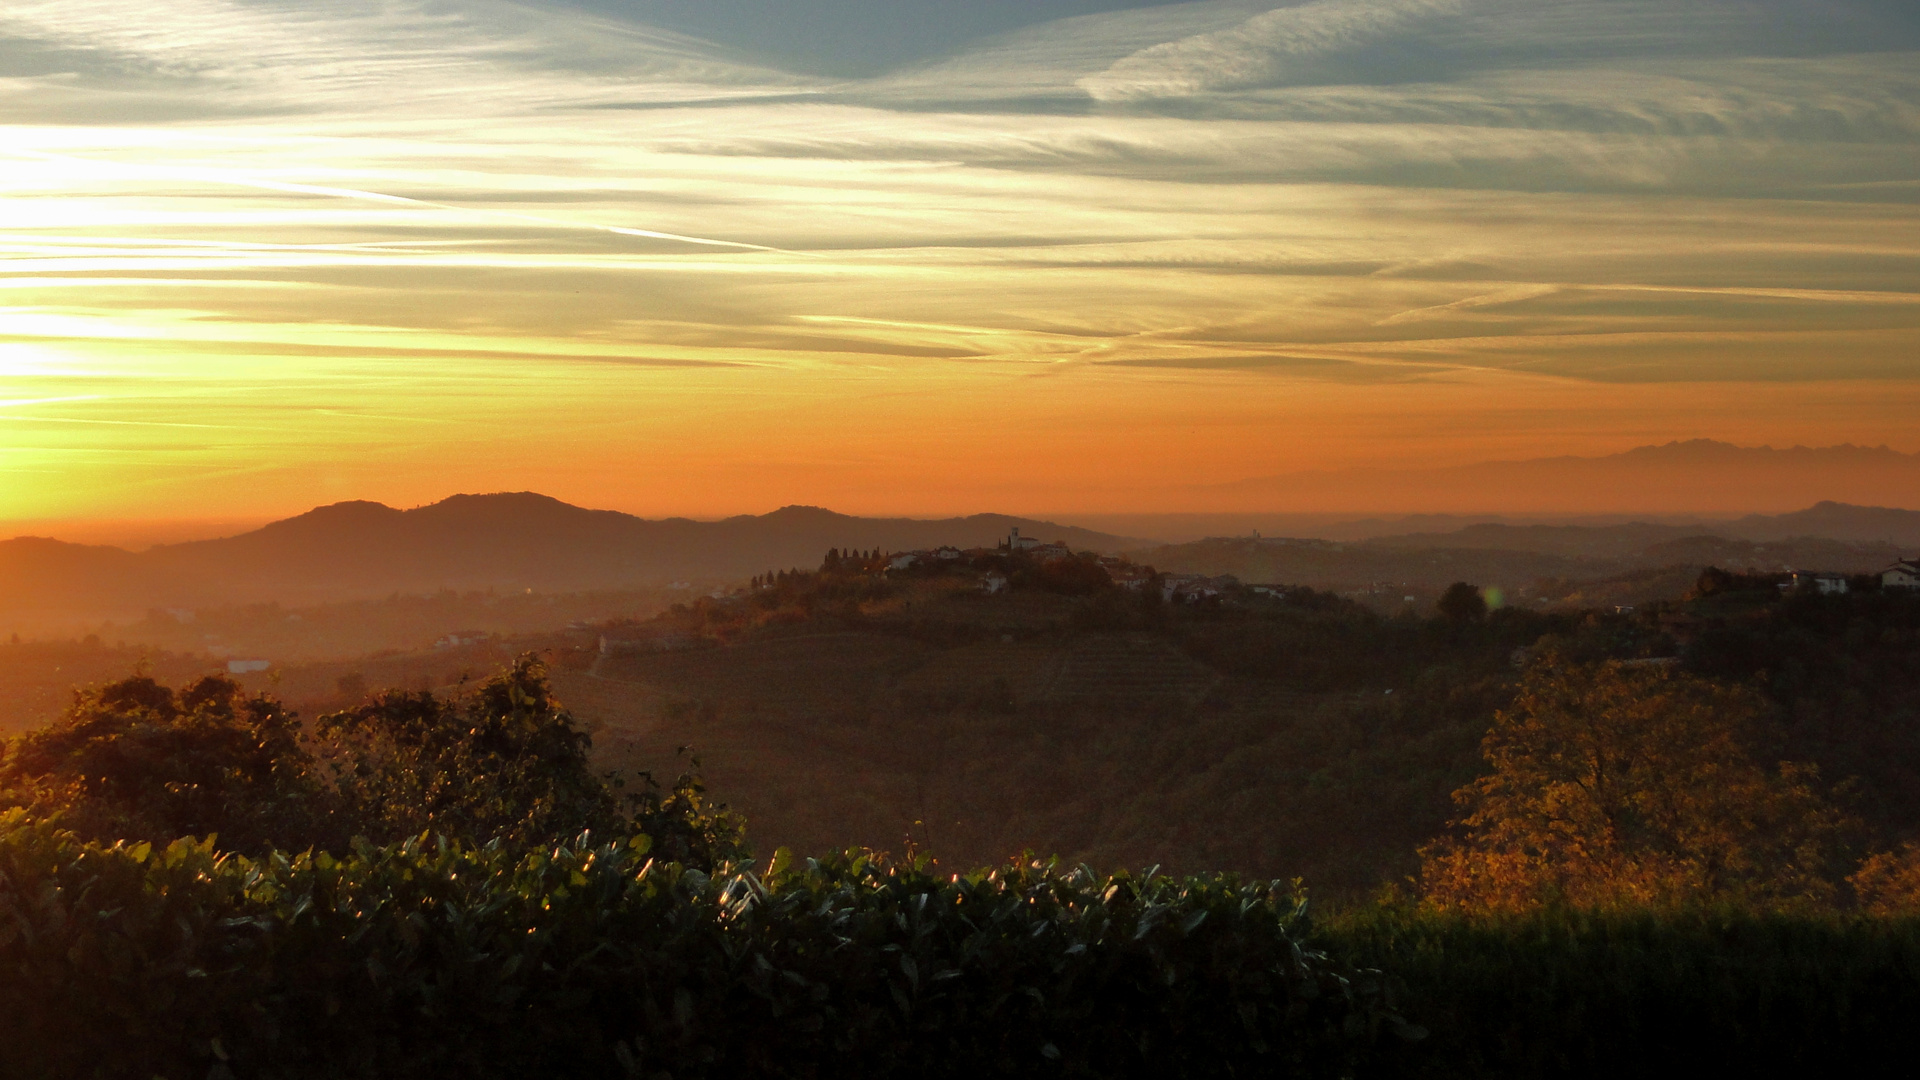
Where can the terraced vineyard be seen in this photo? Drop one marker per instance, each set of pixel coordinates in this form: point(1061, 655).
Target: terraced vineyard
point(812, 675)
point(1137, 670)
point(1026, 670)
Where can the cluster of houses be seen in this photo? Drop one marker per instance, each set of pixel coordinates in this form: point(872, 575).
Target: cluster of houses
point(1124, 573)
point(1904, 574)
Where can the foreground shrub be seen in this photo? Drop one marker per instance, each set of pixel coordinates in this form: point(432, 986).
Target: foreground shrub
point(434, 958)
point(1724, 991)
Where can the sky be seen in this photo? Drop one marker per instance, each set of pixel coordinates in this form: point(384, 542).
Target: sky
point(704, 257)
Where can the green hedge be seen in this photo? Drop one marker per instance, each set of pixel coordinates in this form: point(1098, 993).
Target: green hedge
point(429, 958)
point(1725, 992)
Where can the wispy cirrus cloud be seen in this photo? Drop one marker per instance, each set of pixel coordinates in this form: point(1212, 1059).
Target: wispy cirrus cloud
point(1261, 217)
point(1256, 52)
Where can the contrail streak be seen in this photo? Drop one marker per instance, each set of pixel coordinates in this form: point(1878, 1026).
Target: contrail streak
point(236, 180)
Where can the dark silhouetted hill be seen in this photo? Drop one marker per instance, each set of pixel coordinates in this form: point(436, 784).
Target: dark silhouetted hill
point(512, 541)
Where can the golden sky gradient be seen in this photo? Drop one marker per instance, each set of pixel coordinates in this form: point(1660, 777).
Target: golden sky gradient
point(259, 255)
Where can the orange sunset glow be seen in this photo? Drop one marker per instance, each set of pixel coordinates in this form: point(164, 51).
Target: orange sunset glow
point(1109, 258)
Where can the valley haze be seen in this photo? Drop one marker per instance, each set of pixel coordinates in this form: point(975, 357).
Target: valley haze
point(360, 550)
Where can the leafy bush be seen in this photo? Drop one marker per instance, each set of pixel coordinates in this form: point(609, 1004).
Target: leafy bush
point(434, 957)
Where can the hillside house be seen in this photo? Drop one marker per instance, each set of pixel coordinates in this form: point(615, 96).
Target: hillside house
point(906, 560)
point(993, 584)
point(1130, 577)
point(946, 554)
point(1823, 584)
point(1904, 574)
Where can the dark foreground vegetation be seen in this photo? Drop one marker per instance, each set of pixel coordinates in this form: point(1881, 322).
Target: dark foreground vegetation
point(423, 887)
point(1678, 839)
point(434, 958)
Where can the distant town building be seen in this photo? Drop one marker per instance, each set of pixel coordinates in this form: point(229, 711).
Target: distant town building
point(1904, 574)
point(946, 554)
point(644, 639)
point(1192, 588)
point(905, 561)
point(1016, 542)
point(462, 637)
point(1053, 552)
point(247, 667)
point(993, 583)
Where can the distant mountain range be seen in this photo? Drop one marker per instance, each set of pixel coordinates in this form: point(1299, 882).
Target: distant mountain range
point(520, 541)
point(1825, 520)
point(1629, 562)
point(1700, 476)
point(513, 541)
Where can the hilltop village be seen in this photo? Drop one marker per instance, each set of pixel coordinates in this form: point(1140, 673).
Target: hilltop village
point(1026, 564)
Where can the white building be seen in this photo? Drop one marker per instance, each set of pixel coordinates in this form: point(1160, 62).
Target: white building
point(1824, 584)
point(1016, 542)
point(1904, 574)
point(993, 583)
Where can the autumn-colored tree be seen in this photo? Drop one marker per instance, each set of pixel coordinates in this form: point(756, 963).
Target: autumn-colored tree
point(1619, 783)
point(1888, 882)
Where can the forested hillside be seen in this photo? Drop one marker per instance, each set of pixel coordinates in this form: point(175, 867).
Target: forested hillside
point(1272, 735)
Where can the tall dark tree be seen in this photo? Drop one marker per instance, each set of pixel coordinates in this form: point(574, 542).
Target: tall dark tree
point(136, 760)
point(1462, 603)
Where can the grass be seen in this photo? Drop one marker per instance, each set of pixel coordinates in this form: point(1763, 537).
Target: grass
point(1717, 991)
